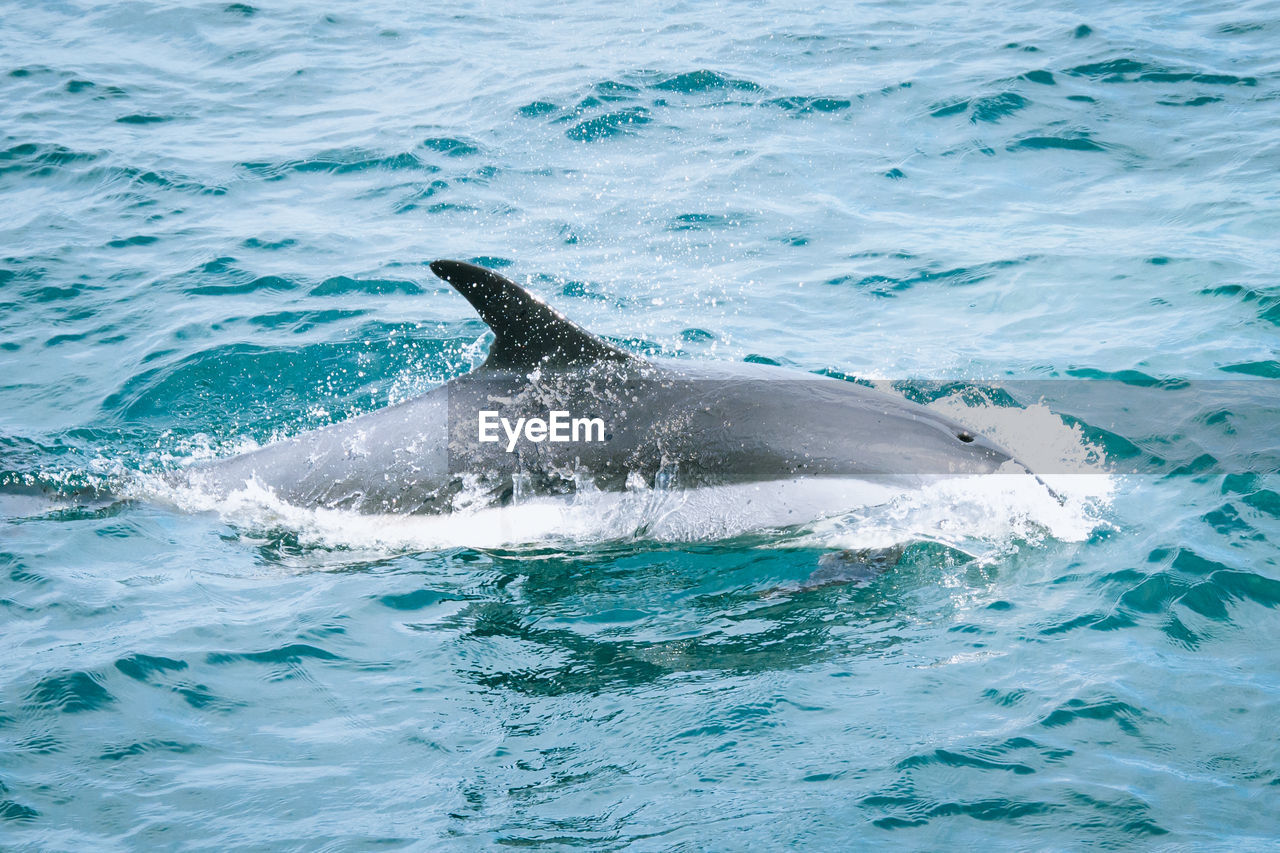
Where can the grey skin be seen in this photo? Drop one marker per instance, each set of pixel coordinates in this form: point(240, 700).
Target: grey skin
point(669, 424)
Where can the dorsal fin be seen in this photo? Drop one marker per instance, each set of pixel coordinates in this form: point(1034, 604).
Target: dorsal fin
point(526, 331)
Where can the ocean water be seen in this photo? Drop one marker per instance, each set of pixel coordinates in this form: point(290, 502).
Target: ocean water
point(215, 221)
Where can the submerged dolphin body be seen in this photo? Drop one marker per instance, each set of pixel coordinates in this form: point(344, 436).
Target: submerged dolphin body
point(664, 424)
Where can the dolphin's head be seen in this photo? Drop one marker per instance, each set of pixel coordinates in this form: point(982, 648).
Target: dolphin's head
point(981, 455)
point(901, 437)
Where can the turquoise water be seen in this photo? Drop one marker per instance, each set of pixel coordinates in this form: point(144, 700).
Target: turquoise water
point(216, 221)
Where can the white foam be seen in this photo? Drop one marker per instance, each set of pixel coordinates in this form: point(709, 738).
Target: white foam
point(982, 515)
point(586, 517)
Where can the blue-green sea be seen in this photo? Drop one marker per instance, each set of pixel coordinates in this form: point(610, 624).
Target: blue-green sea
point(215, 225)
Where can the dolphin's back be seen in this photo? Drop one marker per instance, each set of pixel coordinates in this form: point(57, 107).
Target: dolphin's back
point(394, 460)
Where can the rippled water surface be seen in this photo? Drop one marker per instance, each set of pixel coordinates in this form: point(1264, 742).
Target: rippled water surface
point(215, 224)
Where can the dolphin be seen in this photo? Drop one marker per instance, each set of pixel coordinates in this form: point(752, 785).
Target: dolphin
point(624, 423)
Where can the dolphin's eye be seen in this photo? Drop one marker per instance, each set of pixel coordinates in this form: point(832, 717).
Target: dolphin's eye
point(965, 436)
